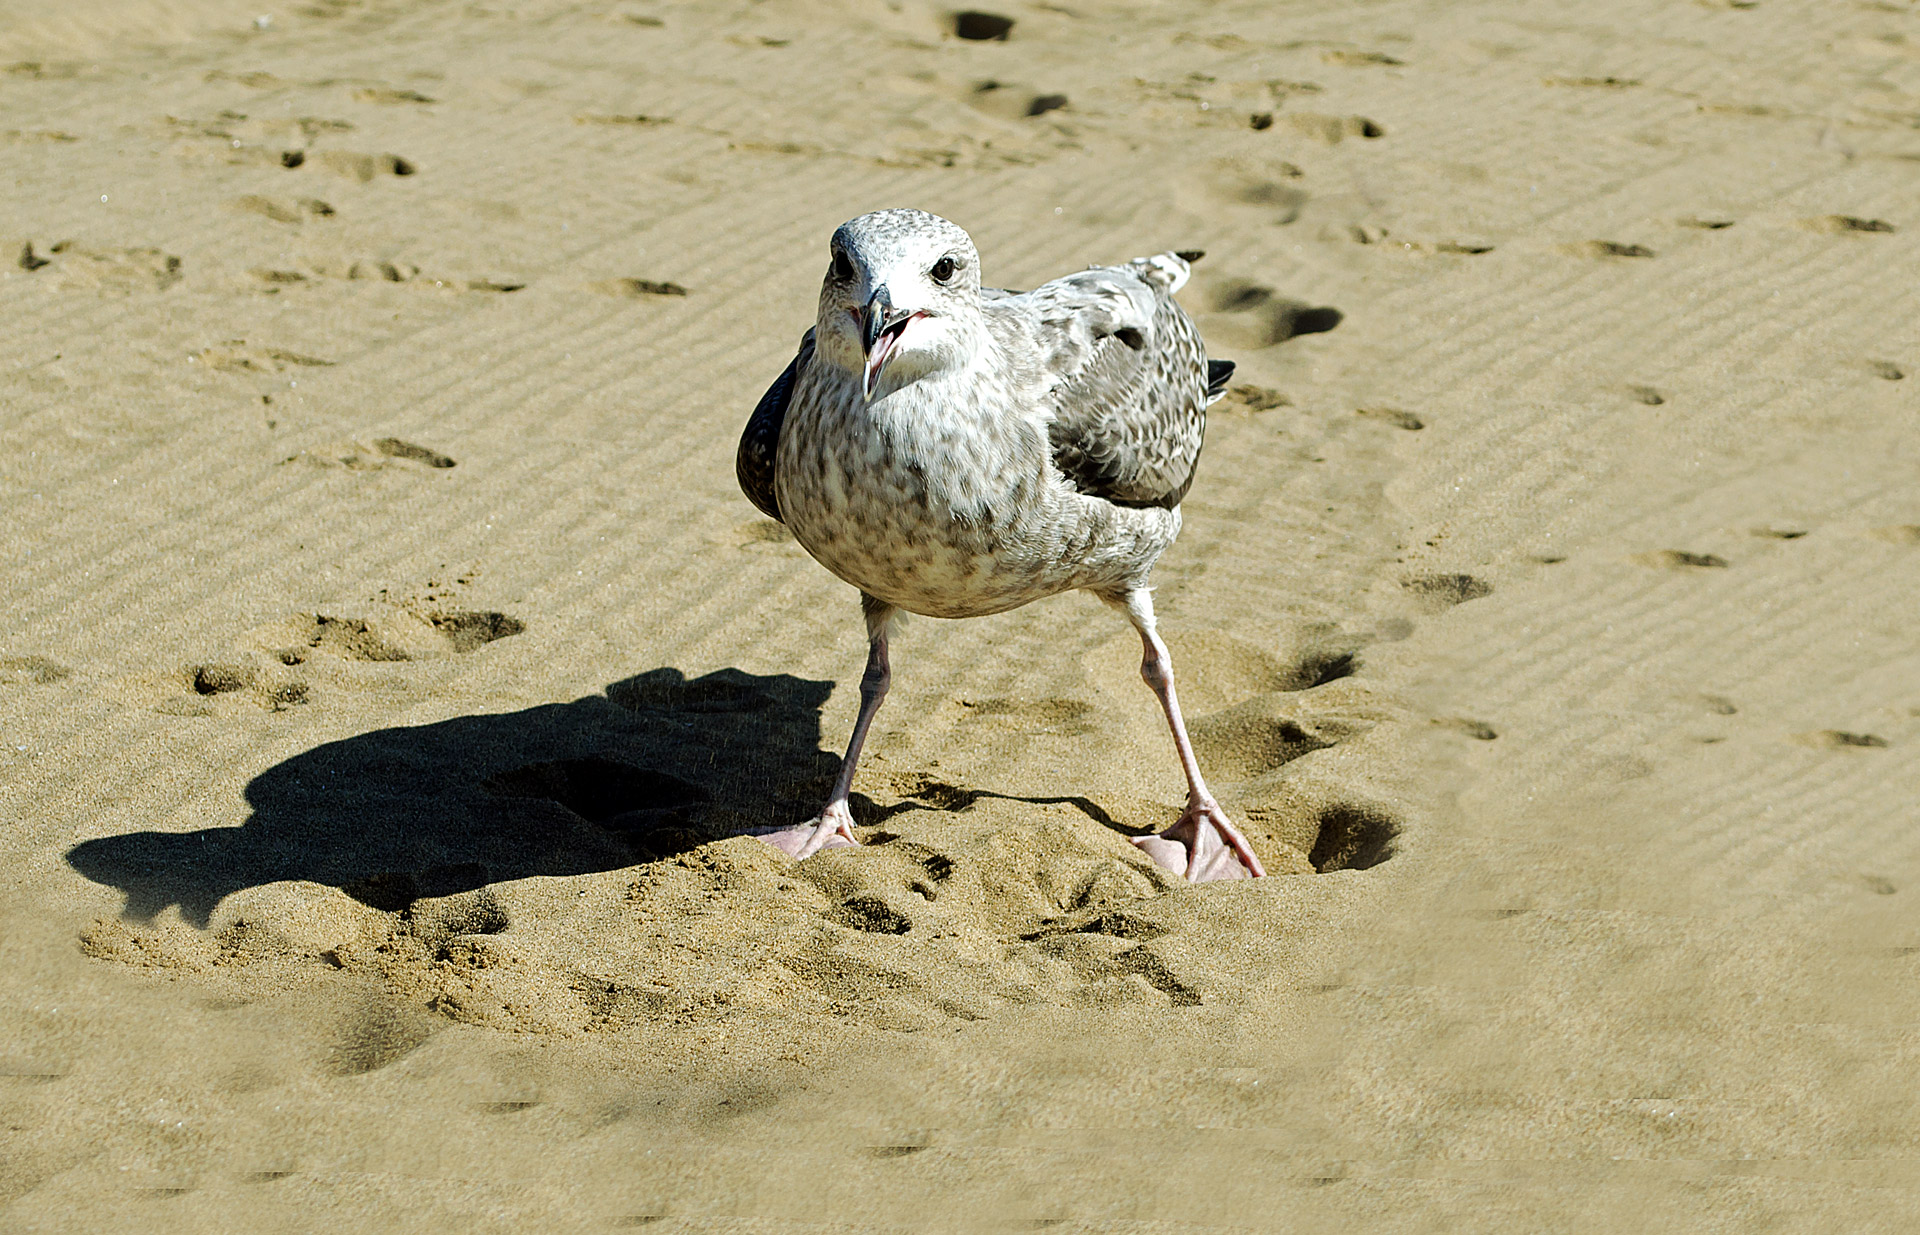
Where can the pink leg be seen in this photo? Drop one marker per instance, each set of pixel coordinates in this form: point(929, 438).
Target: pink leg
point(1203, 844)
point(833, 826)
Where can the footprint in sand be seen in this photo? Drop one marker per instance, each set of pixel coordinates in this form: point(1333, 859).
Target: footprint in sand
point(110, 270)
point(258, 675)
point(511, 1106)
point(377, 270)
point(1681, 559)
point(362, 167)
point(1331, 130)
point(219, 141)
point(636, 120)
point(1359, 59)
point(382, 453)
point(43, 70)
point(1606, 250)
point(468, 631)
point(1352, 838)
point(1478, 730)
point(371, 270)
point(1841, 739)
point(1264, 734)
point(211, 688)
point(1392, 416)
point(1011, 101)
point(1267, 185)
point(1255, 399)
point(1253, 315)
point(284, 209)
point(981, 27)
point(1438, 592)
point(1592, 83)
point(1845, 225)
point(636, 289)
point(35, 670)
point(387, 95)
point(1218, 670)
point(1373, 234)
point(237, 356)
point(403, 635)
point(221, 679)
point(35, 137)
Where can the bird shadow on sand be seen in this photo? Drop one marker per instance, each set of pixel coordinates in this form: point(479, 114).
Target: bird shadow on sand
point(657, 765)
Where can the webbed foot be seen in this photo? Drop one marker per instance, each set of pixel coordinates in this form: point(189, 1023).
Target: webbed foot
point(832, 828)
point(1204, 845)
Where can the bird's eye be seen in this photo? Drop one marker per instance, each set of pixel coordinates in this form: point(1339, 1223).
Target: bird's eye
point(842, 268)
point(943, 269)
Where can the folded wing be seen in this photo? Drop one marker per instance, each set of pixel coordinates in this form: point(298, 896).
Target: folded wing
point(1131, 378)
point(753, 463)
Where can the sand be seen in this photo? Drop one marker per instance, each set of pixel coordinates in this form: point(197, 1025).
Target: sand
point(388, 661)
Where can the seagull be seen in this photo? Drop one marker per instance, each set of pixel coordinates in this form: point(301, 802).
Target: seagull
point(954, 450)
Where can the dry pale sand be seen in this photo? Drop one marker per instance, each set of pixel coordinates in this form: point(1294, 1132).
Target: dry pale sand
point(388, 655)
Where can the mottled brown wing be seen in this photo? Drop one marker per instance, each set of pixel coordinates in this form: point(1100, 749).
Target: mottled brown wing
point(753, 463)
point(1132, 379)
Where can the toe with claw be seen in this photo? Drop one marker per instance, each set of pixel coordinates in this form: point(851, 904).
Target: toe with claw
point(831, 829)
point(1204, 845)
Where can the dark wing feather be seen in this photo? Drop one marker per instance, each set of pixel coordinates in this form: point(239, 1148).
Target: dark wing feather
point(1219, 373)
point(1131, 380)
point(761, 440)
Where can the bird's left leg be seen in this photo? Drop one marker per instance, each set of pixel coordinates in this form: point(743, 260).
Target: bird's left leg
point(833, 826)
point(1203, 844)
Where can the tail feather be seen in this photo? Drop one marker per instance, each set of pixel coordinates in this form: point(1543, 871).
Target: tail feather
point(1163, 270)
point(1219, 373)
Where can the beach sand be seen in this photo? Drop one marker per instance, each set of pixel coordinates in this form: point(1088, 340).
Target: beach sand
point(388, 660)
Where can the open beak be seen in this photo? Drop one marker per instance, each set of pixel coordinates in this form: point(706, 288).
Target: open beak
point(881, 326)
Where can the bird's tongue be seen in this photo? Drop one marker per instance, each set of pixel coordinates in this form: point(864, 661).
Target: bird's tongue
point(877, 358)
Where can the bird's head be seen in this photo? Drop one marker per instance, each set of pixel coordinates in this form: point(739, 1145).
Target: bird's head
point(901, 293)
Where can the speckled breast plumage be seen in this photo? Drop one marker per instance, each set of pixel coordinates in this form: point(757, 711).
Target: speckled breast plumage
point(941, 498)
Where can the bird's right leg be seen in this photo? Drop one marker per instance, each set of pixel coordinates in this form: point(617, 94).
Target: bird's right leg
point(833, 826)
point(1203, 844)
